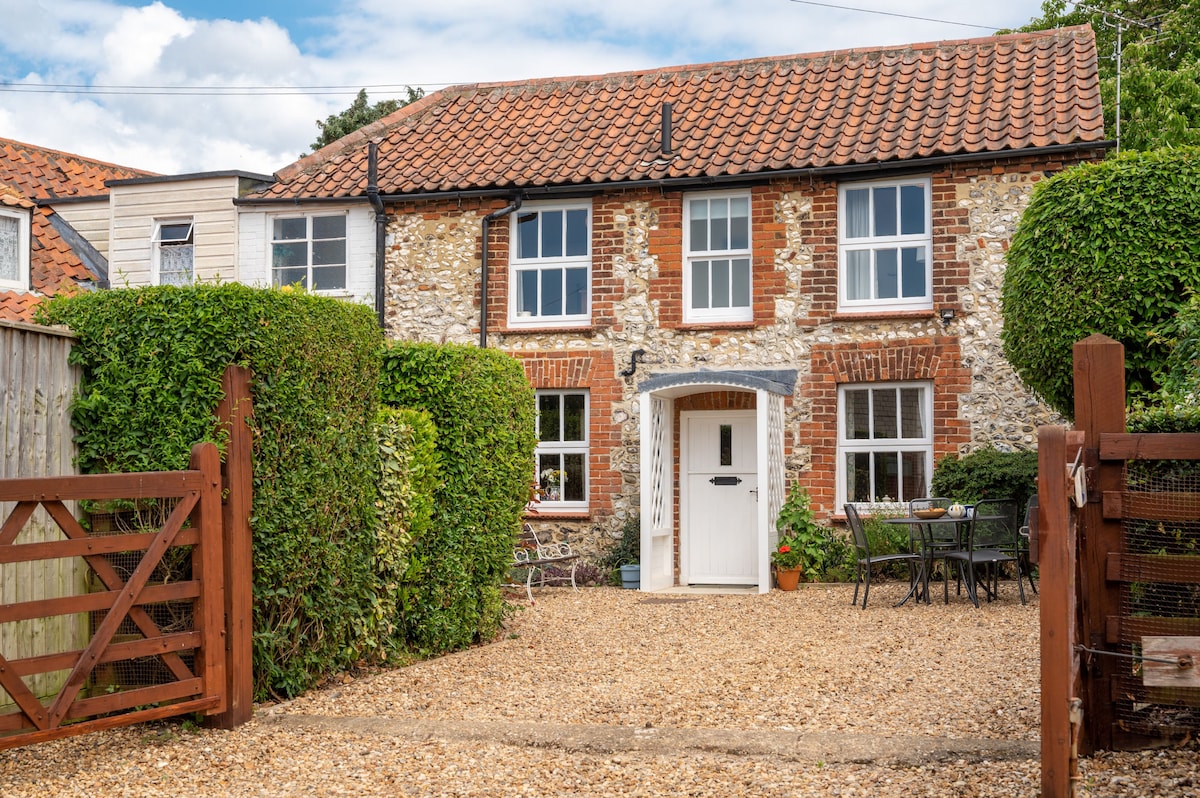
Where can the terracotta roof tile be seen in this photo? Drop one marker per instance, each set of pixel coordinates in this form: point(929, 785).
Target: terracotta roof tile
point(41, 173)
point(747, 117)
point(28, 174)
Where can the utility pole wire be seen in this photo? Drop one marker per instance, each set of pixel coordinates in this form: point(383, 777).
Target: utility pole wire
point(895, 14)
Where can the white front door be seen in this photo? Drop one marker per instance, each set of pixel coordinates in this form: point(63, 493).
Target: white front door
point(719, 501)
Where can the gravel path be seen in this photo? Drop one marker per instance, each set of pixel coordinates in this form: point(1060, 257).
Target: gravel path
point(612, 692)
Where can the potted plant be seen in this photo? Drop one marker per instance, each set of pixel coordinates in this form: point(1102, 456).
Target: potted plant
point(807, 542)
point(625, 557)
point(787, 558)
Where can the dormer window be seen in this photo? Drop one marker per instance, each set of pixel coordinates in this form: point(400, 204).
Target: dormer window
point(14, 249)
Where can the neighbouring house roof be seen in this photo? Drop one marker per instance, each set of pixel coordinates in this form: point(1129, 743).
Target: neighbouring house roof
point(849, 108)
point(33, 177)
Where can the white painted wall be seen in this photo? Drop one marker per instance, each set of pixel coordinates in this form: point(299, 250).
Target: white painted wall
point(208, 201)
point(91, 220)
point(254, 243)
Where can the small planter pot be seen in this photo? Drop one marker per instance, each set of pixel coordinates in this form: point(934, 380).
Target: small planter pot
point(631, 577)
point(788, 578)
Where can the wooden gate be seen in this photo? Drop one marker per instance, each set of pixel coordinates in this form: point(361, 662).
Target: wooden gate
point(1119, 548)
point(192, 562)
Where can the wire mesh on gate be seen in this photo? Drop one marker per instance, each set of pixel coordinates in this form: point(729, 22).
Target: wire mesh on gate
point(169, 616)
point(1162, 597)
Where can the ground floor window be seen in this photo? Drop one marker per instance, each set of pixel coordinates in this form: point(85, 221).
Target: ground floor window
point(885, 442)
point(562, 450)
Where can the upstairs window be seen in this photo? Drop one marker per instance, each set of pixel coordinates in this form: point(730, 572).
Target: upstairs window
point(174, 252)
point(562, 449)
point(551, 264)
point(309, 251)
point(14, 249)
point(717, 252)
point(885, 245)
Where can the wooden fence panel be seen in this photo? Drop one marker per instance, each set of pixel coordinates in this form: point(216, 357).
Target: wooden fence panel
point(37, 384)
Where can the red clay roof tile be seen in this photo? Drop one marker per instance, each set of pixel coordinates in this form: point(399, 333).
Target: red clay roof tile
point(840, 108)
point(32, 173)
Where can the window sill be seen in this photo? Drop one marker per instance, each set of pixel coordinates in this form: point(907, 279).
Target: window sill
point(558, 515)
point(715, 325)
point(586, 329)
point(883, 315)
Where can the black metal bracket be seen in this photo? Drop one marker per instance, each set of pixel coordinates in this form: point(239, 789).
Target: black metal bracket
point(635, 357)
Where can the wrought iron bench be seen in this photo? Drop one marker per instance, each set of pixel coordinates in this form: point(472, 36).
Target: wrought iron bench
point(536, 557)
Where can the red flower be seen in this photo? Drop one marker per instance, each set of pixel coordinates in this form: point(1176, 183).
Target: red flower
point(784, 549)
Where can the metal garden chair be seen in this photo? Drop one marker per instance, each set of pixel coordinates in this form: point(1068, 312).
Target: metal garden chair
point(864, 559)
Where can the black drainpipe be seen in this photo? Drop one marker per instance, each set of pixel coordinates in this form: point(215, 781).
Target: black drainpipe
point(380, 227)
point(512, 206)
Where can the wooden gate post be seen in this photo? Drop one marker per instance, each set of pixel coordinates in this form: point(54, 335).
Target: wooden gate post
point(233, 415)
point(1057, 604)
point(1099, 408)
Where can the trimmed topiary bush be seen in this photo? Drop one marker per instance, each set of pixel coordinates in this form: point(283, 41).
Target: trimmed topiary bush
point(1103, 248)
point(483, 407)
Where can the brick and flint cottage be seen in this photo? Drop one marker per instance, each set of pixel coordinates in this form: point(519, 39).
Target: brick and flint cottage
point(721, 279)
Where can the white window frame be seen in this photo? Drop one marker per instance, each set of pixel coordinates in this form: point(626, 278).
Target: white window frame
point(542, 266)
point(872, 243)
point(189, 241)
point(308, 239)
point(732, 313)
point(846, 445)
point(24, 221)
point(561, 447)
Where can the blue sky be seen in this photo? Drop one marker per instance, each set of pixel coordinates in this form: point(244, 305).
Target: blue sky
point(180, 86)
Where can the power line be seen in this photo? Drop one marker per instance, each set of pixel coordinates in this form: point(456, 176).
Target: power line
point(901, 16)
point(199, 91)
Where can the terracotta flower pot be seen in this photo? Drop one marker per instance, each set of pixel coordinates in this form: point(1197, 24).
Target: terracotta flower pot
point(788, 578)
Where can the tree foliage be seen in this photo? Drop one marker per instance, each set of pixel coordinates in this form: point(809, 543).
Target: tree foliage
point(1160, 65)
point(360, 114)
point(1103, 248)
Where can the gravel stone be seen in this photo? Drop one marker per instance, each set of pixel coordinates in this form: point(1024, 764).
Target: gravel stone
point(617, 692)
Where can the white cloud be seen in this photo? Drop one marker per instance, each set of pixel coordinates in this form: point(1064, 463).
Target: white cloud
point(373, 43)
point(134, 45)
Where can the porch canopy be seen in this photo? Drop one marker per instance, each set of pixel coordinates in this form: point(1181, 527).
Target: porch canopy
point(657, 395)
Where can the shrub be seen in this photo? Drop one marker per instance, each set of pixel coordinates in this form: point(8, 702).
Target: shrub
point(408, 474)
point(818, 547)
point(152, 360)
point(987, 474)
point(1102, 248)
point(627, 550)
point(483, 408)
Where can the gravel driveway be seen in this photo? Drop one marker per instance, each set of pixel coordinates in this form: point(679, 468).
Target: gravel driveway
point(613, 692)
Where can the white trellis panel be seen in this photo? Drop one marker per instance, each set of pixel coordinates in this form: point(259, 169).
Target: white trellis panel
point(658, 561)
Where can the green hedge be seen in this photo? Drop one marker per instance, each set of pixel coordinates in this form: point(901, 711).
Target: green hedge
point(152, 361)
point(483, 407)
point(1103, 248)
point(408, 477)
point(987, 474)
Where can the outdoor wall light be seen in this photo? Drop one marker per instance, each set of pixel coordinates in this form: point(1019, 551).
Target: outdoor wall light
point(947, 315)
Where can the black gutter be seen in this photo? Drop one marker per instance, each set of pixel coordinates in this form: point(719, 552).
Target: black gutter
point(380, 228)
point(512, 206)
point(883, 167)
